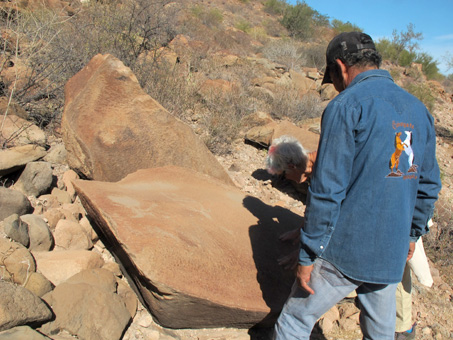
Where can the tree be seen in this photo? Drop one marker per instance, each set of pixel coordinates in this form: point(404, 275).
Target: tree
point(448, 58)
point(406, 40)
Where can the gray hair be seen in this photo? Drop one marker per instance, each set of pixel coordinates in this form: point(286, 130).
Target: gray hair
point(284, 151)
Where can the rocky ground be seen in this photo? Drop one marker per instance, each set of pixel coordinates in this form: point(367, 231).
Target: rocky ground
point(432, 307)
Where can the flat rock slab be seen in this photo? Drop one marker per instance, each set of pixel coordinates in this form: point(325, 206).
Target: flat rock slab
point(199, 253)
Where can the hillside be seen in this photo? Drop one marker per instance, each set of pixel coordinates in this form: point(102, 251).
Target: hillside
point(213, 64)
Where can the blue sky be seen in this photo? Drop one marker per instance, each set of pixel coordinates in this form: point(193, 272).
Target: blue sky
point(433, 18)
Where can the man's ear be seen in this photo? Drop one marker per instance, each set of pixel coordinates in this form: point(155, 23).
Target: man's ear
point(343, 69)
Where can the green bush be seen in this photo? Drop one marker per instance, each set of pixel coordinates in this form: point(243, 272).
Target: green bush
point(401, 50)
point(301, 20)
point(429, 66)
point(276, 7)
point(406, 58)
point(340, 26)
point(243, 25)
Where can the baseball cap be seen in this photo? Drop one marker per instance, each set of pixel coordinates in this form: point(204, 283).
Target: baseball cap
point(344, 44)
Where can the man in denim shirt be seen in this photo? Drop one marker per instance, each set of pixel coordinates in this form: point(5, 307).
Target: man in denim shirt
point(372, 193)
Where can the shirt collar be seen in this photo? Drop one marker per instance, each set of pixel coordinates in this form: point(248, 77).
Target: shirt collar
point(370, 74)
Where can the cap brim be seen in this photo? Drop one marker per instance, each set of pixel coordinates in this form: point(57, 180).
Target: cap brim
point(326, 79)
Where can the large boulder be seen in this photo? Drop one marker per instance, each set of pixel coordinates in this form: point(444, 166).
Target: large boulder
point(111, 127)
point(199, 252)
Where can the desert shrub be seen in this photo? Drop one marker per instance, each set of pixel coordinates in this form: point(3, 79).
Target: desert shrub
point(340, 26)
point(401, 49)
point(422, 92)
point(259, 33)
point(439, 241)
point(406, 58)
point(243, 25)
point(301, 20)
point(276, 7)
point(284, 51)
point(172, 86)
point(387, 50)
point(288, 103)
point(395, 73)
point(212, 17)
point(314, 55)
point(448, 83)
point(274, 28)
point(222, 119)
point(235, 41)
point(55, 46)
point(429, 66)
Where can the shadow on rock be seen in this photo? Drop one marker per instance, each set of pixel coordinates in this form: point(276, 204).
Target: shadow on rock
point(275, 282)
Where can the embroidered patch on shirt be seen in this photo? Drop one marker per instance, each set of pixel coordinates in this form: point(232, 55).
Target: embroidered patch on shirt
point(403, 153)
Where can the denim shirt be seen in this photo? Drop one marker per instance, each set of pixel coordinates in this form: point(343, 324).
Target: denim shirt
point(375, 180)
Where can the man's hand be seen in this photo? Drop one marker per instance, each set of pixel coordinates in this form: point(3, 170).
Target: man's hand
point(303, 277)
point(411, 251)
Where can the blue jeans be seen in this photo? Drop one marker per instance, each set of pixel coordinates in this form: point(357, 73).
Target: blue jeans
point(302, 310)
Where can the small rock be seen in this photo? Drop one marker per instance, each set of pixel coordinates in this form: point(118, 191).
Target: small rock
point(62, 196)
point(427, 331)
point(36, 179)
point(22, 333)
point(27, 306)
point(68, 177)
point(41, 237)
point(15, 158)
point(16, 230)
point(58, 266)
point(70, 235)
point(56, 154)
point(52, 216)
point(16, 262)
point(13, 202)
point(38, 284)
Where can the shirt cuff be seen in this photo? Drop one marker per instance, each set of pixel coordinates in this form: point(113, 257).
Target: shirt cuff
point(413, 239)
point(306, 258)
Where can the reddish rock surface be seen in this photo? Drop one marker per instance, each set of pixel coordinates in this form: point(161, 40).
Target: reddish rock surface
point(201, 253)
point(111, 127)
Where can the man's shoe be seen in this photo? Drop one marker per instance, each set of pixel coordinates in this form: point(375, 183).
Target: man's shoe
point(408, 335)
